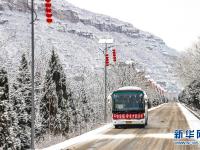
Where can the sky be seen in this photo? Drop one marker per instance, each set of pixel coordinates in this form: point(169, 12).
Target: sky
point(177, 22)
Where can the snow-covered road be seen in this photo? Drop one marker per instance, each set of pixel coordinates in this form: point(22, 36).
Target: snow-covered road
point(159, 133)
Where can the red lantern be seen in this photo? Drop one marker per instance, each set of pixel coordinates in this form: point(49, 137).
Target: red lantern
point(48, 11)
point(49, 20)
point(48, 5)
point(114, 54)
point(107, 60)
point(48, 15)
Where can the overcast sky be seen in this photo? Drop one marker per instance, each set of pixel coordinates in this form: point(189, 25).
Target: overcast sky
point(177, 22)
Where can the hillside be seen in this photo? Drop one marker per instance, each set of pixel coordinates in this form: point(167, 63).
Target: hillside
point(74, 35)
point(69, 70)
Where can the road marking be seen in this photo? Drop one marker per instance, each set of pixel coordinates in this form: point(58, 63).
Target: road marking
point(131, 136)
point(160, 135)
point(153, 108)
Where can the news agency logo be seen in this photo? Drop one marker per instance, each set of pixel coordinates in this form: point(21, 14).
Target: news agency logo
point(188, 134)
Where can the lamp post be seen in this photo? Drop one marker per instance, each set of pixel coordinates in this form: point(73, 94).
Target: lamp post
point(32, 79)
point(106, 42)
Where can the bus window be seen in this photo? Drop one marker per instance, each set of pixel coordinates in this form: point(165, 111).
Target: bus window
point(128, 101)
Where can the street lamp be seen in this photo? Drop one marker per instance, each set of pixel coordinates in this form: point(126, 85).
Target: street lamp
point(32, 78)
point(106, 42)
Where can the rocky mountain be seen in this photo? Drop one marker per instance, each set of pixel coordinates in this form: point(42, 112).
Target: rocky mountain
point(74, 35)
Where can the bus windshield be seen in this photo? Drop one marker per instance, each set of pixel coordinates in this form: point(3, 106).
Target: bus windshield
point(127, 101)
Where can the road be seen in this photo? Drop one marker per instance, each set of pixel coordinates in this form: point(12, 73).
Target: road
point(157, 135)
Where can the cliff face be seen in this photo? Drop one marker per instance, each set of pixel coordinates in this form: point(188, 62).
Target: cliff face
point(74, 35)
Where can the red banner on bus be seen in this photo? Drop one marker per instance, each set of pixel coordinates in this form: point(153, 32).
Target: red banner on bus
point(128, 116)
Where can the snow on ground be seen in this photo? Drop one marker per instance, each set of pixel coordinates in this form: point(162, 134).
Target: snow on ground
point(192, 120)
point(94, 134)
point(156, 107)
point(81, 138)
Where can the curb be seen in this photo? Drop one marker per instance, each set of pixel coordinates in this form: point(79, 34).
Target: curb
point(193, 112)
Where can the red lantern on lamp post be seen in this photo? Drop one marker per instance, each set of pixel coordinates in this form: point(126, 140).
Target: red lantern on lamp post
point(48, 11)
point(107, 59)
point(114, 54)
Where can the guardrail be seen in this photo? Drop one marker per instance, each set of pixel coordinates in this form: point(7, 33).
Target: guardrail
point(192, 111)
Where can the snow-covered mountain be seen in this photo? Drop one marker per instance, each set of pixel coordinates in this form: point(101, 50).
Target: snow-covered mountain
point(74, 35)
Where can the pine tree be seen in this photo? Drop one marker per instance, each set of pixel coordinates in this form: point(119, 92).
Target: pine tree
point(56, 99)
point(38, 96)
point(22, 102)
point(5, 123)
point(8, 120)
point(85, 109)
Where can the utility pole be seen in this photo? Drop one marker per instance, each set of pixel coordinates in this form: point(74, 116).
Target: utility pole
point(105, 78)
point(32, 80)
point(106, 42)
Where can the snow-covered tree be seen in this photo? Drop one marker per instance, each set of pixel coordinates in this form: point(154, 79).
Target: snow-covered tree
point(5, 122)
point(127, 74)
point(189, 63)
point(38, 97)
point(189, 71)
point(85, 100)
point(57, 99)
point(22, 102)
point(8, 118)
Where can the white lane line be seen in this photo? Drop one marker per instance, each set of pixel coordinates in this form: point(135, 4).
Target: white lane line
point(131, 136)
point(96, 133)
point(153, 108)
point(160, 135)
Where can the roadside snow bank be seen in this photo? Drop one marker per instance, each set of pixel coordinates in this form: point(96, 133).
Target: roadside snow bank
point(81, 138)
point(192, 120)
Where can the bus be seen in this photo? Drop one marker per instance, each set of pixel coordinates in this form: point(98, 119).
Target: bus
point(129, 106)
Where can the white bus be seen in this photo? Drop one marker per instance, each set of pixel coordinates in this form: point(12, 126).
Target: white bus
point(129, 106)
